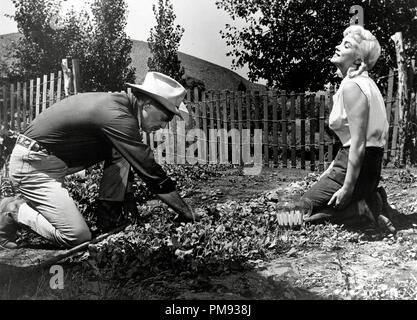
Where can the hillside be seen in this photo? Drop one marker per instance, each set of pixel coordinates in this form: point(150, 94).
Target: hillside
point(214, 76)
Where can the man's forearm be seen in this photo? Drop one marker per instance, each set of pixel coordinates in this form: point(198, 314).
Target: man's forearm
point(175, 202)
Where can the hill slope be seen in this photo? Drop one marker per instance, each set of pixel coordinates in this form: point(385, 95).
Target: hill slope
point(214, 76)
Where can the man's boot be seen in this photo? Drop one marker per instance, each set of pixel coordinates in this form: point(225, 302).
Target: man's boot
point(109, 215)
point(130, 206)
point(9, 208)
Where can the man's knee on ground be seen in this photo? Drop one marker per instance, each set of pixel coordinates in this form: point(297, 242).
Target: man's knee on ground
point(76, 237)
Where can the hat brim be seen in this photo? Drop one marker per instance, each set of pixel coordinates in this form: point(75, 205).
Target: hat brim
point(179, 111)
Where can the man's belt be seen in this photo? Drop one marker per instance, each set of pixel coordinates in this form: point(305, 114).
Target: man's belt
point(31, 144)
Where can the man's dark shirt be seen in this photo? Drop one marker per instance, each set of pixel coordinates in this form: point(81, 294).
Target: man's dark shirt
point(82, 130)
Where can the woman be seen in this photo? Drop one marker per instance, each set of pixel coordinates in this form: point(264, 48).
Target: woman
point(359, 119)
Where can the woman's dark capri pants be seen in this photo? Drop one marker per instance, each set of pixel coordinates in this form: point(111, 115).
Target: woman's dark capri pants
point(317, 197)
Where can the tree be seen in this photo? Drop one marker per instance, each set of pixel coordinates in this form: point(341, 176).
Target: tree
point(47, 37)
point(164, 42)
point(107, 66)
point(98, 41)
point(289, 43)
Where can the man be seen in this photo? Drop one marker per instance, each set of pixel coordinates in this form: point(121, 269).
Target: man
point(76, 133)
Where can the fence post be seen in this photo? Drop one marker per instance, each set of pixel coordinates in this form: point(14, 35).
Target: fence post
point(18, 105)
point(77, 75)
point(223, 136)
point(68, 78)
point(312, 107)
point(31, 90)
point(44, 90)
point(25, 105)
point(203, 138)
point(284, 128)
point(388, 102)
point(402, 95)
point(331, 145)
point(212, 132)
point(293, 131)
point(303, 132)
point(321, 133)
point(12, 106)
point(4, 107)
point(266, 129)
point(59, 86)
point(51, 89)
point(275, 126)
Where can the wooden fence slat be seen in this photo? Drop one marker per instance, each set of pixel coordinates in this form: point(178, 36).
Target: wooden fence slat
point(25, 105)
point(181, 141)
point(76, 75)
point(45, 90)
point(225, 128)
point(293, 131)
point(38, 96)
point(312, 108)
point(303, 132)
point(52, 98)
point(388, 103)
point(396, 127)
point(248, 110)
point(222, 130)
point(239, 110)
point(240, 120)
point(12, 106)
point(257, 106)
point(212, 132)
point(234, 132)
point(4, 108)
point(18, 106)
point(173, 137)
point(330, 148)
point(203, 137)
point(275, 126)
point(284, 128)
point(2, 104)
point(196, 108)
point(31, 90)
point(321, 133)
point(265, 128)
point(217, 97)
point(232, 104)
point(59, 86)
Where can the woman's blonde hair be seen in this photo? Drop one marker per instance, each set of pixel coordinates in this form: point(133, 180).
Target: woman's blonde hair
point(369, 48)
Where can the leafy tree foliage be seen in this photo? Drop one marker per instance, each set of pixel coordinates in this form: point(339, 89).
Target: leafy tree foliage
point(98, 41)
point(164, 42)
point(108, 57)
point(47, 37)
point(289, 43)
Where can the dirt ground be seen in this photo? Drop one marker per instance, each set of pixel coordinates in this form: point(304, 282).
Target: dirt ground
point(323, 262)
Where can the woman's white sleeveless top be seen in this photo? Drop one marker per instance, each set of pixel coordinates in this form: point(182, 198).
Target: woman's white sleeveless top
point(377, 129)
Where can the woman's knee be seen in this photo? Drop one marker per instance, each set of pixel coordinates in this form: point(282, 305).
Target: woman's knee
point(305, 205)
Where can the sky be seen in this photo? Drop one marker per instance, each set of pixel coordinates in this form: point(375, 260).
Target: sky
point(201, 20)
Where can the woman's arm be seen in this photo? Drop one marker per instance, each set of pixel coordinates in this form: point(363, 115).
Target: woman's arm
point(357, 110)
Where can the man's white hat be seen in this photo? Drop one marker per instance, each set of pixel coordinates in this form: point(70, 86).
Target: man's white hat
point(167, 91)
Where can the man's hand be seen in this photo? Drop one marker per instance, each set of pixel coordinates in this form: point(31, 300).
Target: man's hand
point(341, 198)
point(175, 202)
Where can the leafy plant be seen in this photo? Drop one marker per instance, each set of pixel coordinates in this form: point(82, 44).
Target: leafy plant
point(289, 43)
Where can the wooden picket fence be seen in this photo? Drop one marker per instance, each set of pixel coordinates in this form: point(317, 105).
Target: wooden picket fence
point(291, 129)
point(269, 128)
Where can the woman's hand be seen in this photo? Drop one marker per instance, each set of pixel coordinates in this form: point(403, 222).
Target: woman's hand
point(341, 198)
